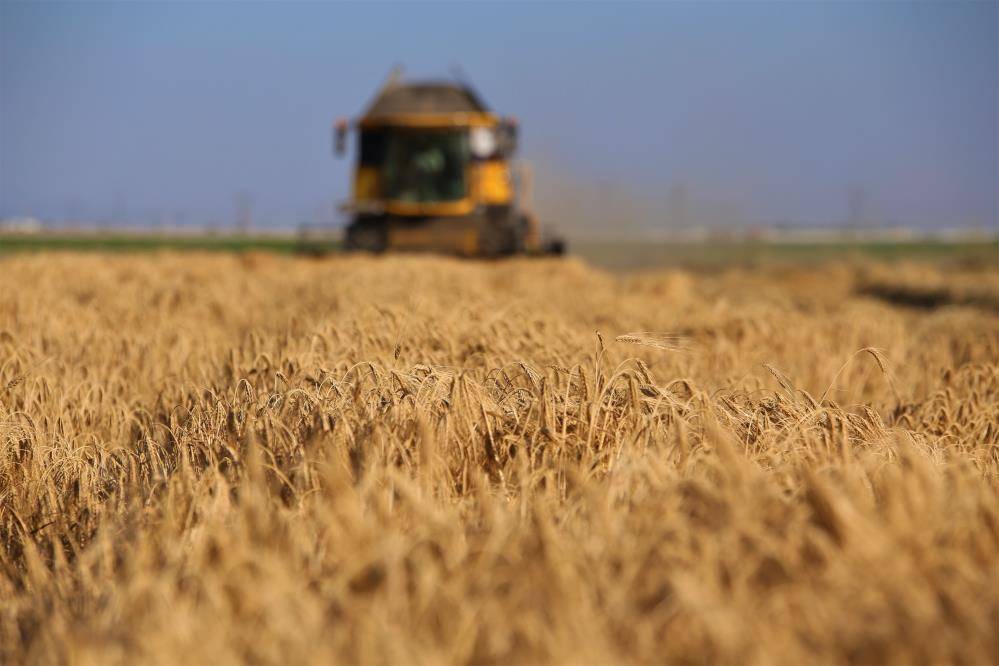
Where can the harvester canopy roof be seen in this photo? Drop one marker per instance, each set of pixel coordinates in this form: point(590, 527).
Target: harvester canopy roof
point(429, 97)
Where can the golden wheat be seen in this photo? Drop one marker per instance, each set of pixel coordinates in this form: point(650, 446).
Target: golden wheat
point(215, 459)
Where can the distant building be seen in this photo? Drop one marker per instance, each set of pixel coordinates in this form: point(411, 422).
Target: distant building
point(21, 225)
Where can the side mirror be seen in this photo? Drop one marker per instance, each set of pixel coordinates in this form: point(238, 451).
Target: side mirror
point(340, 137)
point(507, 136)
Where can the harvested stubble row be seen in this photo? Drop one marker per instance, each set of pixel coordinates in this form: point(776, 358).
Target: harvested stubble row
point(222, 459)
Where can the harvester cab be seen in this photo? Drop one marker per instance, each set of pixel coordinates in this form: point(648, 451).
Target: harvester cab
point(433, 173)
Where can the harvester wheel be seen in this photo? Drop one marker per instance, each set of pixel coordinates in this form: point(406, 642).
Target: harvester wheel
point(555, 247)
point(500, 238)
point(367, 237)
point(496, 241)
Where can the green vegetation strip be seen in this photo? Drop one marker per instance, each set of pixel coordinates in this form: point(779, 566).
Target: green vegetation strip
point(615, 255)
point(151, 242)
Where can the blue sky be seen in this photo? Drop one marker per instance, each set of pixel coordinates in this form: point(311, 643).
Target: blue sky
point(757, 111)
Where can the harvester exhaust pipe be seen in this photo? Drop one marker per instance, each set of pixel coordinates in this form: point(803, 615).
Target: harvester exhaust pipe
point(340, 137)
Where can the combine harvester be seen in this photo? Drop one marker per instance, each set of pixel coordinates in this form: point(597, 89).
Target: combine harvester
point(433, 173)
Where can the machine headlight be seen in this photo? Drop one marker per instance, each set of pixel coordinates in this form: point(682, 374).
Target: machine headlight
point(482, 141)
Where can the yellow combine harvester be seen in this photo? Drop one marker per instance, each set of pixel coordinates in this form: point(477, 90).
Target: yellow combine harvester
point(433, 173)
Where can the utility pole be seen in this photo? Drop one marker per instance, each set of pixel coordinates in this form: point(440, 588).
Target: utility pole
point(858, 198)
point(676, 204)
point(244, 213)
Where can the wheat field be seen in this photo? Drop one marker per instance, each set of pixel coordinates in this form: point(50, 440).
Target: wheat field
point(222, 459)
